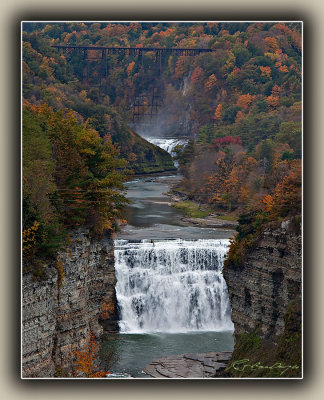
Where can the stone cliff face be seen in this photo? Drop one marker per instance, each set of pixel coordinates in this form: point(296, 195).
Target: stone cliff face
point(265, 295)
point(58, 316)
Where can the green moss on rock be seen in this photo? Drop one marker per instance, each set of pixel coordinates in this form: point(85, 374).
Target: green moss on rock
point(257, 356)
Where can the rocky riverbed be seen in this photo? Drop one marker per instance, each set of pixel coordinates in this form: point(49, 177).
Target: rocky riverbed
point(209, 222)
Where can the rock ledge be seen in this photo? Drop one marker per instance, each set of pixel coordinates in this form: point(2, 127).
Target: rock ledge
point(203, 365)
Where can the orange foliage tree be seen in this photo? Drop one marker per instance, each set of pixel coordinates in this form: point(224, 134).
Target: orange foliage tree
point(85, 361)
point(218, 113)
point(265, 71)
point(271, 44)
point(244, 101)
point(130, 67)
point(287, 194)
point(273, 101)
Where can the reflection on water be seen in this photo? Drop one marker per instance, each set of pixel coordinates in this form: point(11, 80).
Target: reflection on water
point(149, 204)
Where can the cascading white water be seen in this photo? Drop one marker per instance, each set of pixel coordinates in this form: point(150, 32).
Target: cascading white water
point(172, 285)
point(167, 144)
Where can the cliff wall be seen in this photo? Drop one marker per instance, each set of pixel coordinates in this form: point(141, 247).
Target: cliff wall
point(265, 296)
point(76, 295)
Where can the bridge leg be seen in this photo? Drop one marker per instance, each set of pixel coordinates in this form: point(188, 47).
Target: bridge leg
point(86, 68)
point(104, 64)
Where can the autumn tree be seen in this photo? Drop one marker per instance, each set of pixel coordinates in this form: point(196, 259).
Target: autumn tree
point(71, 177)
point(217, 182)
point(196, 76)
point(218, 113)
point(265, 71)
point(85, 361)
point(286, 198)
point(244, 101)
point(130, 68)
point(180, 67)
point(41, 228)
point(226, 141)
point(211, 82)
point(271, 44)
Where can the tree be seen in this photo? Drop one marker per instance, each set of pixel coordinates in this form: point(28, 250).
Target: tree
point(38, 165)
point(218, 113)
point(226, 141)
point(244, 101)
point(85, 360)
point(271, 44)
point(265, 71)
point(286, 199)
point(211, 82)
point(180, 67)
point(71, 174)
point(291, 133)
point(230, 114)
point(130, 68)
point(196, 76)
point(273, 101)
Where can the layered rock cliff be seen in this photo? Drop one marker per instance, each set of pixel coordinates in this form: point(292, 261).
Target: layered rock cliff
point(76, 295)
point(265, 296)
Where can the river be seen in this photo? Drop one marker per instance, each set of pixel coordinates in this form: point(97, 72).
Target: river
point(171, 294)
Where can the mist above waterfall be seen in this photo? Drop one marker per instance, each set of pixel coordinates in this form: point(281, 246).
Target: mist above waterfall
point(172, 286)
point(173, 117)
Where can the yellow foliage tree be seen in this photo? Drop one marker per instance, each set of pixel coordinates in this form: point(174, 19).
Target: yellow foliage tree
point(211, 82)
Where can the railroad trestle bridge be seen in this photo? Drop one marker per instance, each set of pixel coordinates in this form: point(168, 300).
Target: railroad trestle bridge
point(102, 52)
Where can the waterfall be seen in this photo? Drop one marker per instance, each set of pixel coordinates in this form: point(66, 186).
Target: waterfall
point(172, 285)
point(168, 144)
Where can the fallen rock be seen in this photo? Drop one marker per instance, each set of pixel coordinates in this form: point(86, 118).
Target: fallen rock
point(203, 365)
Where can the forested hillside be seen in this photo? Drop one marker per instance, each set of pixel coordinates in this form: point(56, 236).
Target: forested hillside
point(240, 104)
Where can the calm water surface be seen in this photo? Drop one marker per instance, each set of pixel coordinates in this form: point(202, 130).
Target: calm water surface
point(130, 353)
point(150, 216)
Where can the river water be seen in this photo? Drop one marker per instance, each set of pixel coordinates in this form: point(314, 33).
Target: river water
point(171, 294)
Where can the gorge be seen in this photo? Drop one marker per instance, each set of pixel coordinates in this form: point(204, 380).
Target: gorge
point(143, 264)
point(169, 289)
point(163, 281)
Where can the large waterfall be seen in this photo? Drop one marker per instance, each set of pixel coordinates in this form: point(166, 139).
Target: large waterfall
point(172, 285)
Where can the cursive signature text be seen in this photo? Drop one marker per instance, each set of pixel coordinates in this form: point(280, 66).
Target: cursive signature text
point(242, 365)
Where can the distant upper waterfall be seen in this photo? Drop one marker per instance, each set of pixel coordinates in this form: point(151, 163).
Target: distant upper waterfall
point(172, 285)
point(167, 144)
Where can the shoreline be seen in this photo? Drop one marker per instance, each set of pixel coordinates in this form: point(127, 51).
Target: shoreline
point(210, 221)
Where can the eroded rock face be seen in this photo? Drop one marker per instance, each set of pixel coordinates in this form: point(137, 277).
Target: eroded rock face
point(270, 279)
point(57, 319)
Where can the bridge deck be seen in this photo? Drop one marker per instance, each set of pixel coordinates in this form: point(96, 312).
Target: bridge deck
point(166, 49)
